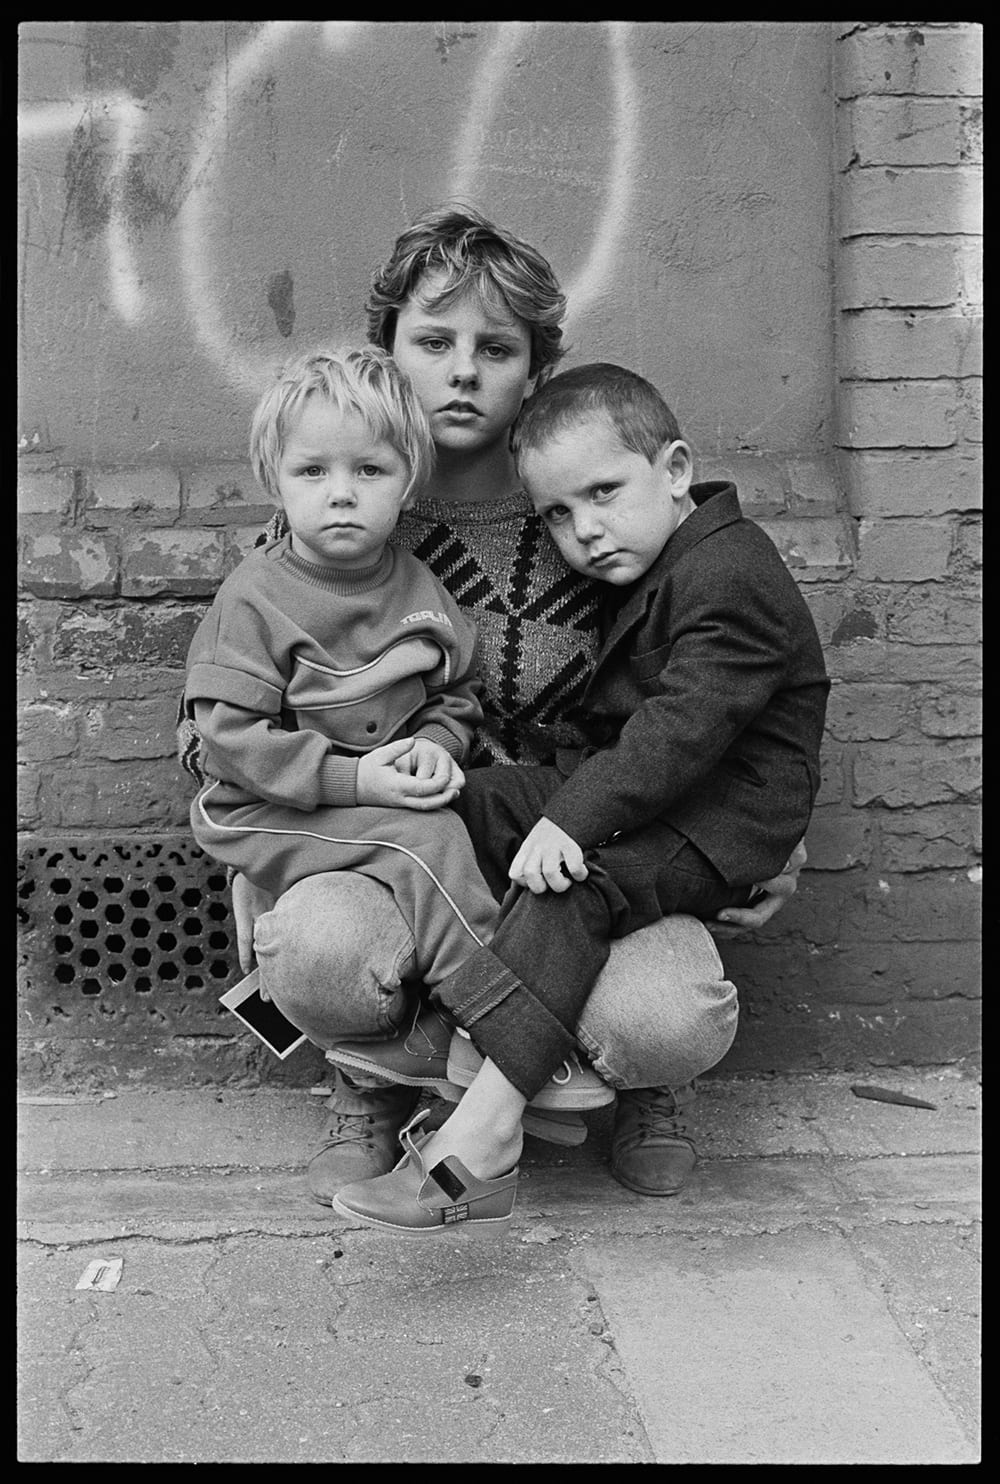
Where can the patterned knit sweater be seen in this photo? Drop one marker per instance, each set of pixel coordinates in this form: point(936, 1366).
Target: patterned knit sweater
point(537, 622)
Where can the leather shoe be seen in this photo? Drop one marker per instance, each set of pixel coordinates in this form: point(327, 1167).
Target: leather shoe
point(415, 1058)
point(361, 1138)
point(553, 1125)
point(652, 1151)
point(414, 1201)
point(573, 1088)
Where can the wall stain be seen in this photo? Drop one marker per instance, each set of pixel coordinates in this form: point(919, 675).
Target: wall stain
point(854, 625)
point(129, 58)
point(280, 298)
point(89, 197)
point(144, 201)
point(444, 43)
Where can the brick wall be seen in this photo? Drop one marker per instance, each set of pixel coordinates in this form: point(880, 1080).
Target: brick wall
point(877, 956)
point(880, 948)
point(117, 567)
point(126, 935)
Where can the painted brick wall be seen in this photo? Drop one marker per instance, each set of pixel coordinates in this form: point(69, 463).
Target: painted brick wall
point(875, 507)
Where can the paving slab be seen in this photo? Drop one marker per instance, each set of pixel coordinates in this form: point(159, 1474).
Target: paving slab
point(811, 1296)
point(768, 1350)
point(288, 1350)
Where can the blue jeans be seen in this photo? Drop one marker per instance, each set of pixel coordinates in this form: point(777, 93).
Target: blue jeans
point(337, 956)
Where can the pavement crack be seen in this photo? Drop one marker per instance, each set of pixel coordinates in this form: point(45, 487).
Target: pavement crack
point(75, 1348)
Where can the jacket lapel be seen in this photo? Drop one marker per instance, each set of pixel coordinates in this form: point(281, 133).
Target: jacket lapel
point(717, 506)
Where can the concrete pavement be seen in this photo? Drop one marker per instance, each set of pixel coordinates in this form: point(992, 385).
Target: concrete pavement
point(811, 1297)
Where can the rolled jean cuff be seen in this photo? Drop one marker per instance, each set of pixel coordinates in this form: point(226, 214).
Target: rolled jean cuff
point(507, 1023)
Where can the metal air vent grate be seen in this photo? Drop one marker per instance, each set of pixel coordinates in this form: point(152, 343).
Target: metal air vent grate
point(112, 927)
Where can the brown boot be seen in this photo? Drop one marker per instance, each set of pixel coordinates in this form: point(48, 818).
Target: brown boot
point(652, 1151)
point(361, 1138)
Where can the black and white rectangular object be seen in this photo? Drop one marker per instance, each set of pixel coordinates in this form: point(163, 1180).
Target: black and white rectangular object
point(262, 1017)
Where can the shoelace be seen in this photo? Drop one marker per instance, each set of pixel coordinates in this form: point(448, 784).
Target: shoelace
point(660, 1116)
point(427, 1048)
point(348, 1128)
point(572, 1062)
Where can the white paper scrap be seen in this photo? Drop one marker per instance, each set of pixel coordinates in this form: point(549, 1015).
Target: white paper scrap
point(104, 1273)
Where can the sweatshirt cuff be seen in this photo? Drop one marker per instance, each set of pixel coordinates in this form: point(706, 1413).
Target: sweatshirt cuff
point(338, 781)
point(453, 745)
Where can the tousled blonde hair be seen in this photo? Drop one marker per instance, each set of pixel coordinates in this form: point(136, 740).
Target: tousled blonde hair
point(365, 381)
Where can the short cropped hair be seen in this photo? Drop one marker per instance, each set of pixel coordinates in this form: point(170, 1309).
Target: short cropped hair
point(367, 382)
point(630, 403)
point(510, 276)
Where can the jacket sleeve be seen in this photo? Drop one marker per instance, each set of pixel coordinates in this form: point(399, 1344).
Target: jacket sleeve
point(710, 676)
point(453, 710)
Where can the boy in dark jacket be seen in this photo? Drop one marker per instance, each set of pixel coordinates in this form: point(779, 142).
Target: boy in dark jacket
point(703, 717)
point(706, 705)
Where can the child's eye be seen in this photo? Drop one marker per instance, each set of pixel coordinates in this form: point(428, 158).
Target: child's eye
point(370, 471)
point(313, 471)
point(555, 514)
point(434, 342)
point(604, 491)
point(496, 352)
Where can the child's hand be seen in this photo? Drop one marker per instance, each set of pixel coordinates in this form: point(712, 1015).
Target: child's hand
point(432, 762)
point(546, 855)
point(249, 903)
point(771, 897)
point(381, 782)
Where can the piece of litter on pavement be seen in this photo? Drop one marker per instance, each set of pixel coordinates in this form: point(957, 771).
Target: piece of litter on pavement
point(104, 1273)
point(886, 1095)
point(322, 1091)
point(542, 1234)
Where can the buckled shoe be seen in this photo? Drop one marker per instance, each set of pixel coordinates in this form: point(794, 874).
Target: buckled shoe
point(414, 1201)
point(652, 1151)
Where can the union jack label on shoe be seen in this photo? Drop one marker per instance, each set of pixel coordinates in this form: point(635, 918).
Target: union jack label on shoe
point(451, 1214)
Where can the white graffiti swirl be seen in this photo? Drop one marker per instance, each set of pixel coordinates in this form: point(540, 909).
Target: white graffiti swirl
point(230, 82)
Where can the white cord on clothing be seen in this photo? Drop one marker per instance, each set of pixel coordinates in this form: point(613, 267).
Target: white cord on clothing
point(252, 829)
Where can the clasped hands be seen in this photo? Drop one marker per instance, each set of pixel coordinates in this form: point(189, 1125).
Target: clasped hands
point(410, 773)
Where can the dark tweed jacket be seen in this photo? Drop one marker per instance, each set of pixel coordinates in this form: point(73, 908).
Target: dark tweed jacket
point(707, 702)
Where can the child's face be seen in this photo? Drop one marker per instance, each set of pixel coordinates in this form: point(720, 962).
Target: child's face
point(609, 510)
point(341, 487)
point(468, 369)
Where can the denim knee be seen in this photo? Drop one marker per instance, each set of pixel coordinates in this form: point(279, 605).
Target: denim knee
point(333, 953)
point(662, 1010)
